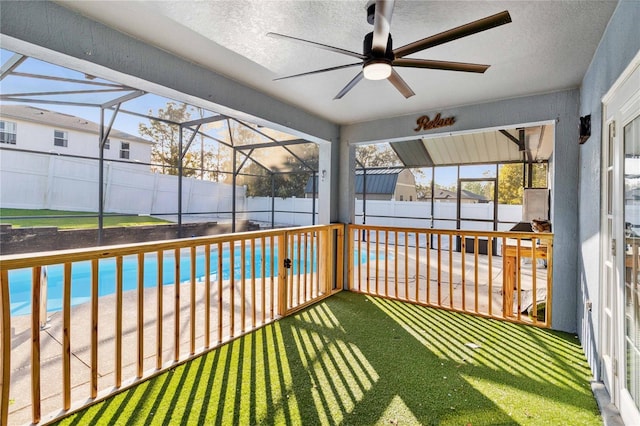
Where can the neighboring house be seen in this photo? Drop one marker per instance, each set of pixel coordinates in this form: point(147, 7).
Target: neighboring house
point(382, 184)
point(36, 129)
point(465, 196)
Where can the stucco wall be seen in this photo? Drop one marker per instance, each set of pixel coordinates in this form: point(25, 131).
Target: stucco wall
point(619, 44)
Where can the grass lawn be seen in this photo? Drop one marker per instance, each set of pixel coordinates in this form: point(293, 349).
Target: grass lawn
point(70, 219)
point(354, 359)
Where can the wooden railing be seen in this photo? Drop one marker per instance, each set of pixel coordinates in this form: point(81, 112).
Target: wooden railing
point(505, 275)
point(168, 302)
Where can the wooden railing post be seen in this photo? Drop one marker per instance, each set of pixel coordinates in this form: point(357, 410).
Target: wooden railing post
point(159, 307)
point(66, 337)
point(339, 256)
point(548, 309)
point(282, 275)
point(351, 249)
point(35, 344)
point(324, 264)
point(140, 327)
point(118, 325)
point(176, 306)
point(94, 327)
point(5, 347)
point(207, 295)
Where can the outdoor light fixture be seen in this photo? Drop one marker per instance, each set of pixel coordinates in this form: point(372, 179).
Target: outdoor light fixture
point(585, 128)
point(377, 70)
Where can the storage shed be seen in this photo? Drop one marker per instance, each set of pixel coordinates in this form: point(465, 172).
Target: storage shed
point(382, 184)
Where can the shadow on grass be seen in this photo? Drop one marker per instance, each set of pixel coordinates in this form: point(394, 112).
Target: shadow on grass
point(354, 359)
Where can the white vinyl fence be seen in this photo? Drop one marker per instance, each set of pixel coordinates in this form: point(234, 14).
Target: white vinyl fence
point(42, 181)
point(288, 211)
point(297, 211)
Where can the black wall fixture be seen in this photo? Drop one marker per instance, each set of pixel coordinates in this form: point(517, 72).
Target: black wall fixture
point(585, 128)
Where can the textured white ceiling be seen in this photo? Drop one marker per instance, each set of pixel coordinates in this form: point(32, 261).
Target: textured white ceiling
point(547, 47)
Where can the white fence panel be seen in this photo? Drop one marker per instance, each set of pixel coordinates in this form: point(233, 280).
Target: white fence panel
point(288, 211)
point(384, 213)
point(124, 189)
point(42, 181)
point(25, 188)
point(72, 181)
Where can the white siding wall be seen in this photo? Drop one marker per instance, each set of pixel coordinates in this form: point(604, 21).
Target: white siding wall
point(39, 137)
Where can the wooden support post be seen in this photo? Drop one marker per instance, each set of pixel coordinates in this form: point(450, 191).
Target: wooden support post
point(5, 347)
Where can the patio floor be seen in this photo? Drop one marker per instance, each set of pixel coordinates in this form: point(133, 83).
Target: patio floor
point(355, 359)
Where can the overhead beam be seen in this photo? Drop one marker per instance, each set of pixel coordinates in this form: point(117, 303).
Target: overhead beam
point(304, 163)
point(50, 102)
point(61, 92)
point(246, 157)
point(272, 144)
point(11, 64)
point(105, 134)
point(149, 117)
point(183, 153)
point(124, 98)
point(253, 160)
point(69, 80)
point(205, 120)
point(518, 141)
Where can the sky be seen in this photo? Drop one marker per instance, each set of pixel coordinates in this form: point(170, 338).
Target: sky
point(445, 176)
point(124, 122)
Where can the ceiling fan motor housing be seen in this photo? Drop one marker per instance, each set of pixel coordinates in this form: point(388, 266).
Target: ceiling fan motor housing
point(368, 51)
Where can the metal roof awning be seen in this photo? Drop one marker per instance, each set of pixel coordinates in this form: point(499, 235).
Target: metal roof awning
point(379, 181)
point(412, 153)
point(533, 144)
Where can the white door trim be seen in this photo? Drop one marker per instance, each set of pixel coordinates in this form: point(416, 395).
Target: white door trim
point(620, 106)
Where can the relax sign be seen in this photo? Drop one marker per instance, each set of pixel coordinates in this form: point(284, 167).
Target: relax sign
point(425, 123)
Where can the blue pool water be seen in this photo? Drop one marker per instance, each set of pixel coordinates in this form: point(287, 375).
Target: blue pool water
point(20, 280)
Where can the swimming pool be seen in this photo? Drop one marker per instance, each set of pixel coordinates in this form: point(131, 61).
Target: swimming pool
point(20, 281)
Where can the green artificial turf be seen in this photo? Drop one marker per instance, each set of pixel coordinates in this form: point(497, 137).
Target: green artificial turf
point(69, 221)
point(354, 359)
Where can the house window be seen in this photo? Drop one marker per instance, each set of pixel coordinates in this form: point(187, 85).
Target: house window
point(107, 144)
point(8, 132)
point(60, 138)
point(124, 150)
point(402, 198)
point(410, 197)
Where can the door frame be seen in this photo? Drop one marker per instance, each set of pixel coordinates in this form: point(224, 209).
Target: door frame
point(459, 217)
point(620, 106)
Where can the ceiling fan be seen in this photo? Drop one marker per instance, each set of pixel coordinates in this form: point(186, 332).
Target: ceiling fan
point(379, 58)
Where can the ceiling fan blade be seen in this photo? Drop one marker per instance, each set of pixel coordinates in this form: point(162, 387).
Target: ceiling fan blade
point(400, 84)
point(319, 45)
point(350, 85)
point(318, 71)
point(454, 34)
point(381, 25)
point(440, 65)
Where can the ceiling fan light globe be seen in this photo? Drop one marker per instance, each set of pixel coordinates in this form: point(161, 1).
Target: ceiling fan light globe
point(377, 71)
